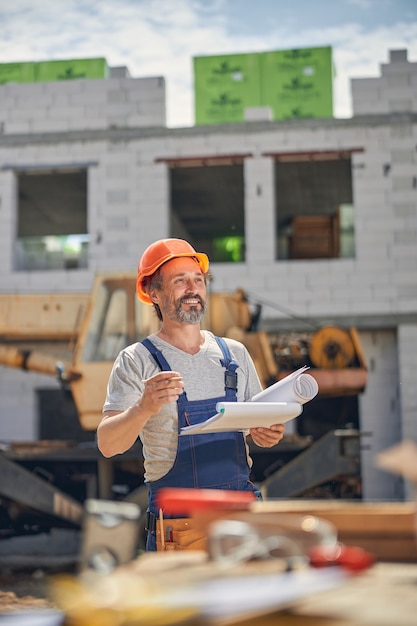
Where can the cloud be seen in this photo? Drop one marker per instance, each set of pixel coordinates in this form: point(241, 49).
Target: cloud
point(160, 38)
point(362, 4)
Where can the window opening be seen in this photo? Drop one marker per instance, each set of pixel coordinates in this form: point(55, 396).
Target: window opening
point(207, 209)
point(51, 220)
point(314, 208)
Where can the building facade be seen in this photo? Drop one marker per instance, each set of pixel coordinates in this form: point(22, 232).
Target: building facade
point(316, 219)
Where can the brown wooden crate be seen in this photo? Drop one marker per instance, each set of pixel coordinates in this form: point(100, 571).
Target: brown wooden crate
point(314, 236)
point(307, 223)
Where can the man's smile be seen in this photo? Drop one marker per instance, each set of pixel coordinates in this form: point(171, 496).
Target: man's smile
point(191, 300)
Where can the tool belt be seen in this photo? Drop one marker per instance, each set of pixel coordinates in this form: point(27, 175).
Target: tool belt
point(179, 533)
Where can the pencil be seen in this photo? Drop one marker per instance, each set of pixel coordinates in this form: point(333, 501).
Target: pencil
point(162, 530)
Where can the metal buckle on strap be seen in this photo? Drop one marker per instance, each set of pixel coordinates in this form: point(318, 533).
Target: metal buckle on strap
point(230, 380)
point(150, 522)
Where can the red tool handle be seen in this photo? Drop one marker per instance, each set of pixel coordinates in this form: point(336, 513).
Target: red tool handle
point(187, 501)
point(352, 558)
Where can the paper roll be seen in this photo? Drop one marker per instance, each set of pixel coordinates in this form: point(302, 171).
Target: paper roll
point(296, 387)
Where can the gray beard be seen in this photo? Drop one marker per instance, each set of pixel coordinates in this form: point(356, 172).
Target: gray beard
point(190, 317)
point(193, 316)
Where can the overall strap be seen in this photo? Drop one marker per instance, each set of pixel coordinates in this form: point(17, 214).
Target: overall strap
point(157, 355)
point(230, 375)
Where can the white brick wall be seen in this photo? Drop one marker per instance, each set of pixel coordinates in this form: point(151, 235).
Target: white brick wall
point(407, 350)
point(259, 213)
point(82, 104)
point(127, 190)
point(380, 412)
point(393, 91)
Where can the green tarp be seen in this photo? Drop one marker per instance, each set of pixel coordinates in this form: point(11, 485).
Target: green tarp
point(47, 71)
point(297, 83)
point(225, 86)
point(17, 73)
point(292, 83)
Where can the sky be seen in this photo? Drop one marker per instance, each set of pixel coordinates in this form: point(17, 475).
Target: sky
point(161, 37)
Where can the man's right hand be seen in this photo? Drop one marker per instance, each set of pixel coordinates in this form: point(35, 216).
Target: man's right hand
point(160, 389)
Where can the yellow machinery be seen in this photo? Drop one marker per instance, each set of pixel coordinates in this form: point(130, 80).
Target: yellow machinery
point(77, 337)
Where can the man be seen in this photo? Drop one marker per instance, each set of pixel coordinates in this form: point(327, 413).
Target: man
point(175, 378)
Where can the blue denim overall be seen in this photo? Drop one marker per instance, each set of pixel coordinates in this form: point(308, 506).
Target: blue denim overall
point(209, 461)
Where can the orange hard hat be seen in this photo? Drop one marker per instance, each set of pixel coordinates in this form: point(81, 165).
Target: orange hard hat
point(159, 253)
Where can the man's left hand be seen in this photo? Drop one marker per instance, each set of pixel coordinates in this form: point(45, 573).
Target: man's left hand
point(267, 437)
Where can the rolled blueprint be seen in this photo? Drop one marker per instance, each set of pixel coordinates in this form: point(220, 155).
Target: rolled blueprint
point(296, 387)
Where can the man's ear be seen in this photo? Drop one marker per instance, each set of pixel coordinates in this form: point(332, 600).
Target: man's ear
point(153, 294)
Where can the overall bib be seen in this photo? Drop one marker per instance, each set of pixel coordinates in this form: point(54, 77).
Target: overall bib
point(209, 461)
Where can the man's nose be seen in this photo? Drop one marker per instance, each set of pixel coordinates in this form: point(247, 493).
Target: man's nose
point(192, 284)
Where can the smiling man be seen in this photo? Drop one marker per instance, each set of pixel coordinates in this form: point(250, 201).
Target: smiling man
point(174, 378)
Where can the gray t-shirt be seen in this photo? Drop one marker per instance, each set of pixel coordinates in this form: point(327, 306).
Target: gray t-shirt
point(203, 377)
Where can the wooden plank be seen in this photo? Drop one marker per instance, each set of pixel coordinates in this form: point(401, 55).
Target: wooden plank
point(388, 529)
